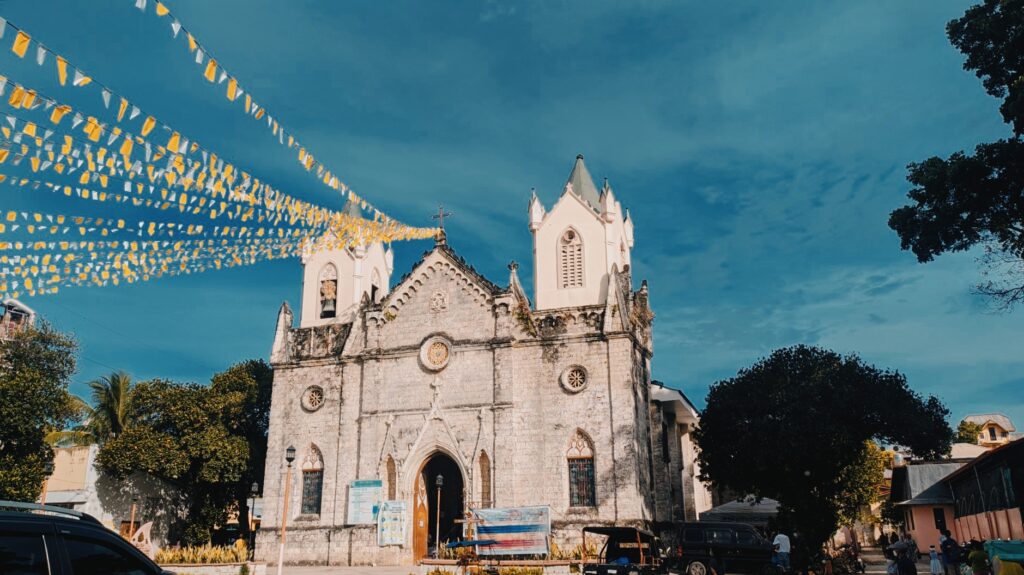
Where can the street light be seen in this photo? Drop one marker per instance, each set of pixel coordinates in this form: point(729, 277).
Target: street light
point(255, 490)
point(289, 456)
point(47, 472)
point(131, 522)
point(439, 481)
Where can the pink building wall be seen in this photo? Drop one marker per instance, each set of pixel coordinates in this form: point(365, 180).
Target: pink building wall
point(922, 526)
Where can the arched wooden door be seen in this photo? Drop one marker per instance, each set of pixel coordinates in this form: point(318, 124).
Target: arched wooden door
point(420, 518)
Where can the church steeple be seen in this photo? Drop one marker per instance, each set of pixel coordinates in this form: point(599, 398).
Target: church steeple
point(578, 243)
point(581, 184)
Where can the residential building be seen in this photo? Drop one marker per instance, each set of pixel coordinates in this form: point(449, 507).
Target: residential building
point(14, 316)
point(996, 428)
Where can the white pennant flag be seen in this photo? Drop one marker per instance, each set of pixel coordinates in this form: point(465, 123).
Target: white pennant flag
point(76, 120)
point(79, 76)
point(40, 54)
point(175, 28)
point(223, 76)
point(3, 85)
point(112, 138)
point(199, 56)
point(46, 136)
point(3, 26)
point(141, 5)
point(106, 98)
point(134, 113)
point(11, 121)
point(49, 103)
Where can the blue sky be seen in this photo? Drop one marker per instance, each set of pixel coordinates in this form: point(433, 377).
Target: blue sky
point(759, 147)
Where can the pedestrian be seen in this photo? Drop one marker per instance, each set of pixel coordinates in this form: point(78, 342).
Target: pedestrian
point(934, 562)
point(911, 547)
point(893, 538)
point(904, 564)
point(978, 559)
point(781, 546)
point(950, 554)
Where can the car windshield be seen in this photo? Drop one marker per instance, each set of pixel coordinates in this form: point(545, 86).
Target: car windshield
point(628, 548)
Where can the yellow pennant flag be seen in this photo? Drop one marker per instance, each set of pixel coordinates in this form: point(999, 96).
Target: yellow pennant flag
point(17, 96)
point(62, 70)
point(58, 113)
point(173, 142)
point(148, 125)
point(161, 10)
point(232, 89)
point(29, 129)
point(20, 44)
point(121, 110)
point(191, 43)
point(211, 70)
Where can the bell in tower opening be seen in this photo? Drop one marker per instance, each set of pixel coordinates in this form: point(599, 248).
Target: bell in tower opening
point(328, 291)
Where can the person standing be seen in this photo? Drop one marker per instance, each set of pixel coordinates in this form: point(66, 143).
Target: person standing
point(950, 549)
point(904, 564)
point(934, 562)
point(978, 559)
point(782, 546)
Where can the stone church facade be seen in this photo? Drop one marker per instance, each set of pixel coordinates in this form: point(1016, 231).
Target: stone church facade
point(447, 374)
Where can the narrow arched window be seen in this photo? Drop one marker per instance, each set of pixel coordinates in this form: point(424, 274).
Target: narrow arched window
point(392, 475)
point(580, 456)
point(570, 260)
point(328, 291)
point(375, 286)
point(485, 481)
point(312, 481)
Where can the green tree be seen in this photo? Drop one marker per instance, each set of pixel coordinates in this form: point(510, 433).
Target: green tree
point(793, 427)
point(252, 379)
point(36, 365)
point(977, 199)
point(968, 432)
point(108, 416)
point(182, 437)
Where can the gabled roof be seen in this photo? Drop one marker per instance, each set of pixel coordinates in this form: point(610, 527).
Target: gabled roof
point(458, 261)
point(921, 483)
point(996, 418)
point(583, 185)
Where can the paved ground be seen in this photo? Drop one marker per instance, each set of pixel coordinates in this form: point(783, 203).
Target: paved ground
point(288, 570)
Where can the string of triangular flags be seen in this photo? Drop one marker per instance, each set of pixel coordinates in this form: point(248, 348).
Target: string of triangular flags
point(122, 159)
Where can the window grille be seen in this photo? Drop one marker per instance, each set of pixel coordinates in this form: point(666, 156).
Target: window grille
point(580, 456)
point(570, 260)
point(312, 490)
point(328, 291)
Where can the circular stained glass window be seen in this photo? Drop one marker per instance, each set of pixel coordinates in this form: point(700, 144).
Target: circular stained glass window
point(435, 353)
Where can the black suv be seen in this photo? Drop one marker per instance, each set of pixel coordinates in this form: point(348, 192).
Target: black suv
point(45, 540)
point(728, 547)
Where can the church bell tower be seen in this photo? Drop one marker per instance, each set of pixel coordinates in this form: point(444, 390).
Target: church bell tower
point(335, 280)
point(578, 243)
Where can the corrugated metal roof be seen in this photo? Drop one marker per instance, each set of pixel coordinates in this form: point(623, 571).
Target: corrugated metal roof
point(996, 418)
point(921, 483)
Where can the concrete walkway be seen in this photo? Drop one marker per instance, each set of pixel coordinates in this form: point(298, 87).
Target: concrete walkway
point(323, 570)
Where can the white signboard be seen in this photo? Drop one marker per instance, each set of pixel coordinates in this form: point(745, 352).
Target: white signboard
point(363, 500)
point(391, 523)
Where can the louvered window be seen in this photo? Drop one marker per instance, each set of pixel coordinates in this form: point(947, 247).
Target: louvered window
point(570, 260)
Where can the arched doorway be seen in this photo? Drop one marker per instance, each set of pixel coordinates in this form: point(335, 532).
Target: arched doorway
point(429, 520)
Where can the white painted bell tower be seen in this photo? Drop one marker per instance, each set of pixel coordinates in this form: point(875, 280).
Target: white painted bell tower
point(334, 280)
point(578, 243)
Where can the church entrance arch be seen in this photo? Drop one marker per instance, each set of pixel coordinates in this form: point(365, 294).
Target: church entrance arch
point(435, 516)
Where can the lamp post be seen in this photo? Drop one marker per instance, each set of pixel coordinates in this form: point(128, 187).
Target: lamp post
point(439, 481)
point(289, 456)
point(254, 490)
point(47, 472)
point(131, 522)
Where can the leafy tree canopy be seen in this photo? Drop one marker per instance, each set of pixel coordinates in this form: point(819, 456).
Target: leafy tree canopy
point(793, 427)
point(968, 432)
point(36, 365)
point(209, 441)
point(970, 200)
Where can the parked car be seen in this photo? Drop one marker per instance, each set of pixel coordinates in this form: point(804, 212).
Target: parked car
point(726, 547)
point(45, 540)
point(625, 551)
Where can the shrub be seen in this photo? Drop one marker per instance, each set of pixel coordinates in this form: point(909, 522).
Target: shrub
point(203, 555)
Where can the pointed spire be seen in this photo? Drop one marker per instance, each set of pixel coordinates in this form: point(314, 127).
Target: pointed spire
point(536, 210)
point(581, 184)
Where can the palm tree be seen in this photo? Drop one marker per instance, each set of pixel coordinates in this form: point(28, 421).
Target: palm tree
point(108, 416)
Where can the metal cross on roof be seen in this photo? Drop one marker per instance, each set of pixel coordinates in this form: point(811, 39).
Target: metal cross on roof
point(441, 215)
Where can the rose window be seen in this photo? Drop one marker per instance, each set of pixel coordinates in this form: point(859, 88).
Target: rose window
point(438, 353)
point(313, 399)
point(574, 379)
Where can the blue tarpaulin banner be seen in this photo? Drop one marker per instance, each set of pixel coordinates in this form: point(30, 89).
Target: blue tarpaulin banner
point(517, 530)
